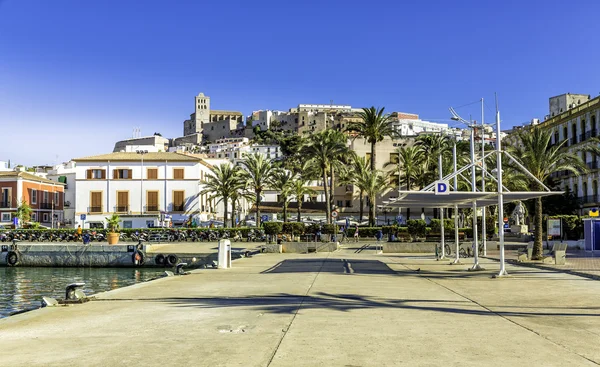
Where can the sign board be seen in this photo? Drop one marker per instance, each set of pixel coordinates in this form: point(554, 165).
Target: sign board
point(82, 216)
point(334, 214)
point(264, 218)
point(506, 225)
point(594, 212)
point(16, 221)
point(554, 227)
point(441, 188)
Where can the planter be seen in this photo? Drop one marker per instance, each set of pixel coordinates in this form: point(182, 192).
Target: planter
point(113, 238)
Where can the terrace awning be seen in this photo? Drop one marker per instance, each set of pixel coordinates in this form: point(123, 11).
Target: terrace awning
point(429, 199)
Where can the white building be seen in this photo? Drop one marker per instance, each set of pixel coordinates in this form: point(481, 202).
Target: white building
point(408, 124)
point(65, 173)
point(140, 188)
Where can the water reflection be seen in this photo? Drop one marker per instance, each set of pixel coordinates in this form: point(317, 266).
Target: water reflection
point(23, 288)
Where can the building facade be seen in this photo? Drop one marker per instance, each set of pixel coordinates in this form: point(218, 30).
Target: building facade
point(45, 197)
point(143, 189)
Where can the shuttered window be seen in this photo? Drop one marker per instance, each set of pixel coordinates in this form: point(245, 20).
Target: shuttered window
point(178, 173)
point(122, 174)
point(122, 202)
point(96, 202)
point(152, 174)
point(152, 201)
point(178, 201)
point(95, 174)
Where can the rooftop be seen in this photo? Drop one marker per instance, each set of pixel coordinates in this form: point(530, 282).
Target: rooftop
point(26, 176)
point(132, 156)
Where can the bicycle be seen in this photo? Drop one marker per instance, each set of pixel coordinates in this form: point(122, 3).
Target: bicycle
point(461, 252)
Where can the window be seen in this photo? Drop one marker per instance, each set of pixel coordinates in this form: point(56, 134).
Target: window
point(127, 224)
point(122, 202)
point(34, 196)
point(45, 218)
point(95, 202)
point(122, 174)
point(6, 199)
point(152, 201)
point(96, 174)
point(6, 217)
point(178, 173)
point(178, 204)
point(339, 203)
point(56, 198)
point(45, 199)
point(348, 204)
point(34, 217)
point(152, 173)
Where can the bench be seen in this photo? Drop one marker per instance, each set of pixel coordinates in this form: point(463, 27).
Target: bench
point(527, 254)
point(559, 253)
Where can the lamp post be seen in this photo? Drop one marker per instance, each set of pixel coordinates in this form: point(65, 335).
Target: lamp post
point(142, 152)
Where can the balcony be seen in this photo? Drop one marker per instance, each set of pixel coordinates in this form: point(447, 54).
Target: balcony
point(95, 209)
point(45, 205)
point(152, 208)
point(178, 208)
point(588, 199)
point(5, 204)
point(593, 165)
point(121, 208)
point(67, 204)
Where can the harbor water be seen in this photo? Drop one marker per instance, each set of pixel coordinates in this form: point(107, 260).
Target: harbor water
point(22, 288)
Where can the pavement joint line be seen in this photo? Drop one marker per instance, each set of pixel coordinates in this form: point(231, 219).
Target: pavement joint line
point(498, 314)
point(296, 312)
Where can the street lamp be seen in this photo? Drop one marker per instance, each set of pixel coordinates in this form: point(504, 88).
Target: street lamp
point(142, 152)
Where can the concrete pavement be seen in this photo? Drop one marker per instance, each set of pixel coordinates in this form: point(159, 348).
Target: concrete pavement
point(346, 308)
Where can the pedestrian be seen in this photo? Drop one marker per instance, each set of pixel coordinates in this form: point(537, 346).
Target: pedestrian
point(343, 232)
point(79, 232)
point(356, 233)
point(379, 237)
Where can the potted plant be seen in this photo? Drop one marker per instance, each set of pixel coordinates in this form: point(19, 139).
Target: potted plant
point(112, 224)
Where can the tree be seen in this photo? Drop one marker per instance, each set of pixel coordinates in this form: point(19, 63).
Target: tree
point(323, 150)
point(433, 145)
point(282, 181)
point(351, 175)
point(257, 176)
point(407, 164)
point(373, 183)
point(23, 212)
point(374, 127)
point(223, 183)
point(299, 189)
point(542, 159)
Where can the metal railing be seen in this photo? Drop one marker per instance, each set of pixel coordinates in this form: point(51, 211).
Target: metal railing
point(121, 208)
point(588, 199)
point(95, 209)
point(67, 204)
point(593, 165)
point(5, 204)
point(45, 205)
point(178, 208)
point(152, 208)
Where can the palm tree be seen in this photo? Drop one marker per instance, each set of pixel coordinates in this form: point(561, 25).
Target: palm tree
point(433, 145)
point(282, 181)
point(541, 159)
point(257, 175)
point(373, 183)
point(408, 162)
point(374, 127)
point(323, 150)
point(222, 183)
point(350, 175)
point(299, 189)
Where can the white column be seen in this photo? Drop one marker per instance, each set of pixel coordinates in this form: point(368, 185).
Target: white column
point(442, 243)
point(483, 224)
point(456, 240)
point(500, 190)
point(474, 189)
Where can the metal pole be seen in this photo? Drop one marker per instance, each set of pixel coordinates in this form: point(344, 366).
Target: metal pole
point(442, 243)
point(456, 255)
point(500, 195)
point(483, 224)
point(474, 188)
point(142, 188)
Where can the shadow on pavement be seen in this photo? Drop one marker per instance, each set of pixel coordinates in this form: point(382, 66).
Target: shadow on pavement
point(342, 266)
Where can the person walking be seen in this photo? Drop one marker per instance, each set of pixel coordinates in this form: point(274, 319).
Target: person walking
point(379, 237)
point(356, 233)
point(79, 232)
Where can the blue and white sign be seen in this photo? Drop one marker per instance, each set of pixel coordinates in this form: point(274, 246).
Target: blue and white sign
point(441, 188)
point(16, 221)
point(400, 219)
point(82, 216)
point(264, 218)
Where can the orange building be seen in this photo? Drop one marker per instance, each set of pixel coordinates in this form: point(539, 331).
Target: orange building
point(45, 197)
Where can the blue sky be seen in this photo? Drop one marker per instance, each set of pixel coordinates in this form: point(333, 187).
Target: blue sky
point(75, 76)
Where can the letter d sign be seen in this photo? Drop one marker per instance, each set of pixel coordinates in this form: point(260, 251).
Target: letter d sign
point(441, 188)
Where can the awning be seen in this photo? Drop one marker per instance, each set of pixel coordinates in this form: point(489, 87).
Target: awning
point(429, 199)
point(62, 179)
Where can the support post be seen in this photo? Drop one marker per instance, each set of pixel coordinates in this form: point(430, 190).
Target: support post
point(456, 241)
point(500, 193)
point(474, 187)
point(442, 241)
point(483, 214)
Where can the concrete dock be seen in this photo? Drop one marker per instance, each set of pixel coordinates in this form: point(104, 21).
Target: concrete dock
point(352, 307)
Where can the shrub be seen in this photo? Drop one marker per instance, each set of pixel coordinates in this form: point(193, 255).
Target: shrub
point(416, 227)
point(435, 225)
point(272, 228)
point(294, 228)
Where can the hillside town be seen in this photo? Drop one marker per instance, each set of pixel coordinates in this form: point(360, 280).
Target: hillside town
point(154, 181)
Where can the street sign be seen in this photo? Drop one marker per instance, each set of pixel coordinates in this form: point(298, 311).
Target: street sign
point(334, 214)
point(594, 212)
point(16, 221)
point(264, 218)
point(441, 188)
point(82, 216)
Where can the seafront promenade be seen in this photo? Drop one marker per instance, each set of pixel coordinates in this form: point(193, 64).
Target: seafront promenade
point(351, 307)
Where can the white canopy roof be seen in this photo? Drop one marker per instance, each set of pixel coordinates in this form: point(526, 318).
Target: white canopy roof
point(429, 199)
